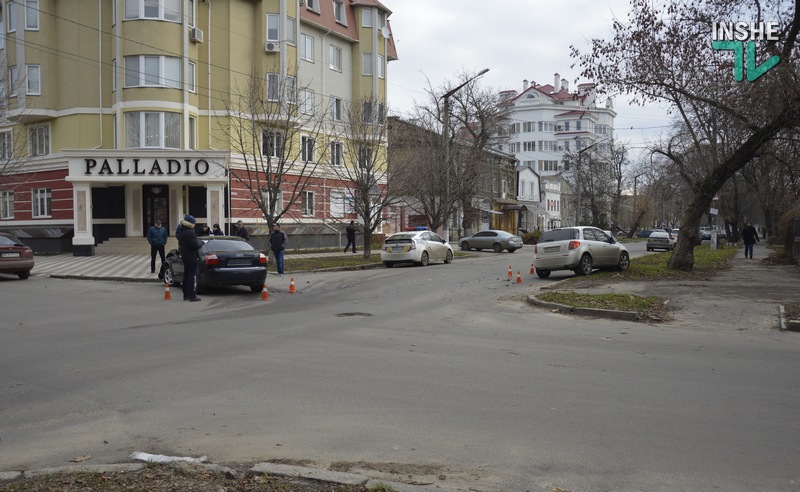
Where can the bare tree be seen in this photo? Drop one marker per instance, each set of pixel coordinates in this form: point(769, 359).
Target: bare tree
point(273, 125)
point(362, 140)
point(14, 136)
point(663, 53)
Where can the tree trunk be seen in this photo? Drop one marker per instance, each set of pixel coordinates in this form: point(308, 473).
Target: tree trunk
point(367, 244)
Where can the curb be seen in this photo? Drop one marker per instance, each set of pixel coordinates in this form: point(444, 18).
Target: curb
point(582, 311)
point(276, 469)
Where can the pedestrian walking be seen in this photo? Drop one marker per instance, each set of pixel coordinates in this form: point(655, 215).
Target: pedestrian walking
point(750, 238)
point(157, 237)
point(217, 231)
point(189, 246)
point(277, 243)
point(351, 235)
point(241, 231)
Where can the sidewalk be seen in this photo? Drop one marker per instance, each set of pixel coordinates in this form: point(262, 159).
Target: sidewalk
point(131, 268)
point(745, 297)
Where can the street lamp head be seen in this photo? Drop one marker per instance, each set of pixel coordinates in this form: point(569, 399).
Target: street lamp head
point(482, 72)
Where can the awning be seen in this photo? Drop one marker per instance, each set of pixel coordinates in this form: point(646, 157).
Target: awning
point(495, 212)
point(506, 208)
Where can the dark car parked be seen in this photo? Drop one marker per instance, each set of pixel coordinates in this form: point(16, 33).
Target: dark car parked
point(224, 260)
point(15, 257)
point(645, 233)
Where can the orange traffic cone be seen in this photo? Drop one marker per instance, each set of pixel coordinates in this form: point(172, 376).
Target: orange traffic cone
point(533, 270)
point(510, 273)
point(519, 277)
point(264, 293)
point(292, 290)
point(167, 295)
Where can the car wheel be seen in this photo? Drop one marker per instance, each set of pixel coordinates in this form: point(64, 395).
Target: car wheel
point(585, 266)
point(648, 249)
point(388, 264)
point(624, 261)
point(424, 259)
point(169, 276)
point(448, 257)
point(542, 273)
point(256, 288)
point(24, 275)
point(511, 250)
point(497, 248)
point(464, 246)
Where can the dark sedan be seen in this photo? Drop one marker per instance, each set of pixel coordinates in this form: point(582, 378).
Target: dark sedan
point(15, 257)
point(494, 240)
point(224, 260)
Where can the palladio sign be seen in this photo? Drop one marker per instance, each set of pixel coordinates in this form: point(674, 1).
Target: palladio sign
point(140, 167)
point(143, 166)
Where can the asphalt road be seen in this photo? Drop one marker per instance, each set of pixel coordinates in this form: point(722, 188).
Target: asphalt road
point(441, 371)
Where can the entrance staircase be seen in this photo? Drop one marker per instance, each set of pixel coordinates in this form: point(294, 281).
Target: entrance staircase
point(130, 246)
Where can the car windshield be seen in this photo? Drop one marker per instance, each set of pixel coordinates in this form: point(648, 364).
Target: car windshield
point(226, 245)
point(559, 235)
point(401, 236)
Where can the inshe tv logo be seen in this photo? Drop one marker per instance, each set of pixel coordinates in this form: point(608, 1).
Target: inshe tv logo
point(740, 37)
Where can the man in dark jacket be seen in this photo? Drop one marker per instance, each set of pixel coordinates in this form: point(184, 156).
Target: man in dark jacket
point(277, 243)
point(241, 231)
point(189, 245)
point(351, 236)
point(749, 236)
point(157, 237)
point(217, 231)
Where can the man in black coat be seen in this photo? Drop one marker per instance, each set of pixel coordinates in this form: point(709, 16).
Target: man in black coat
point(749, 236)
point(189, 245)
point(351, 236)
point(241, 231)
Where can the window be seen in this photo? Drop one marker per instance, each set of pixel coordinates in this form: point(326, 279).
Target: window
point(154, 71)
point(338, 12)
point(34, 80)
point(145, 129)
point(272, 144)
point(307, 143)
point(337, 154)
point(533, 191)
point(513, 128)
point(547, 145)
point(192, 14)
point(336, 108)
point(366, 63)
point(40, 140)
point(266, 196)
point(2, 28)
point(291, 90)
point(335, 58)
point(41, 199)
point(528, 127)
point(308, 203)
point(566, 145)
point(191, 77)
point(12, 80)
point(366, 112)
point(364, 157)
point(522, 189)
point(273, 87)
point(339, 203)
point(307, 101)
point(32, 15)
point(6, 145)
point(366, 17)
point(313, 5)
point(307, 47)
point(578, 125)
point(192, 133)
point(273, 27)
point(113, 75)
point(12, 16)
point(547, 126)
point(169, 10)
point(548, 165)
point(380, 66)
point(291, 35)
point(6, 204)
point(529, 146)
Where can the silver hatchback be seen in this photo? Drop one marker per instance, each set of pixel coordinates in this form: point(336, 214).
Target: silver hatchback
point(580, 249)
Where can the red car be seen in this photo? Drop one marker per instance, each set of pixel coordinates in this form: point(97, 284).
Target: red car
point(15, 257)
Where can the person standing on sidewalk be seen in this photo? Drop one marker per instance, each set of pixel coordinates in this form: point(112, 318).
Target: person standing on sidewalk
point(351, 236)
point(750, 237)
point(277, 243)
point(189, 246)
point(157, 237)
point(241, 231)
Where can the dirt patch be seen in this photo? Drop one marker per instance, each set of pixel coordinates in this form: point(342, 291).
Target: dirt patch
point(400, 472)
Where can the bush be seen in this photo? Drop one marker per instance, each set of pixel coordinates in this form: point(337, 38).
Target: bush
point(531, 237)
point(786, 229)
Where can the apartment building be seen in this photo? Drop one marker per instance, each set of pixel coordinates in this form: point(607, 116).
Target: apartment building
point(546, 123)
point(118, 113)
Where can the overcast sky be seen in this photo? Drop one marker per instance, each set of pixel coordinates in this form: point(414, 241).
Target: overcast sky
point(515, 39)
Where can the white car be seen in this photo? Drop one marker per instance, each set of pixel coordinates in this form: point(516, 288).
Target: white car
point(580, 249)
point(419, 247)
point(660, 239)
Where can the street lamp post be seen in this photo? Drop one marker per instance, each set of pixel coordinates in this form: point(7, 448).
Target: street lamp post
point(446, 136)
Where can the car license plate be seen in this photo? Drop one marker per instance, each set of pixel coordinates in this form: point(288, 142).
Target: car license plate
point(552, 249)
point(397, 249)
point(10, 255)
point(239, 261)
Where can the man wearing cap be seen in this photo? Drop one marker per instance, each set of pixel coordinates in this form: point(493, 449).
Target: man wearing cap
point(189, 245)
point(157, 237)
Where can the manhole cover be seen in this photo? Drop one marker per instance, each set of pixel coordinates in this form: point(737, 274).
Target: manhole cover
point(343, 315)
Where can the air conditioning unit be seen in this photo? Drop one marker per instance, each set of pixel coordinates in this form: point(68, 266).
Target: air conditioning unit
point(560, 148)
point(559, 128)
point(196, 35)
point(272, 46)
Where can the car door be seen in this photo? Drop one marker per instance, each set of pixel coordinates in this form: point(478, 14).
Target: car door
point(441, 246)
point(430, 245)
point(484, 239)
point(605, 250)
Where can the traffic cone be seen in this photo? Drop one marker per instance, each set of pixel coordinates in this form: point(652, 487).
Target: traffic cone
point(292, 290)
point(264, 293)
point(510, 273)
point(167, 295)
point(519, 277)
point(533, 270)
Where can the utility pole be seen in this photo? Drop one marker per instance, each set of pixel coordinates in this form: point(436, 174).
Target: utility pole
point(578, 179)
